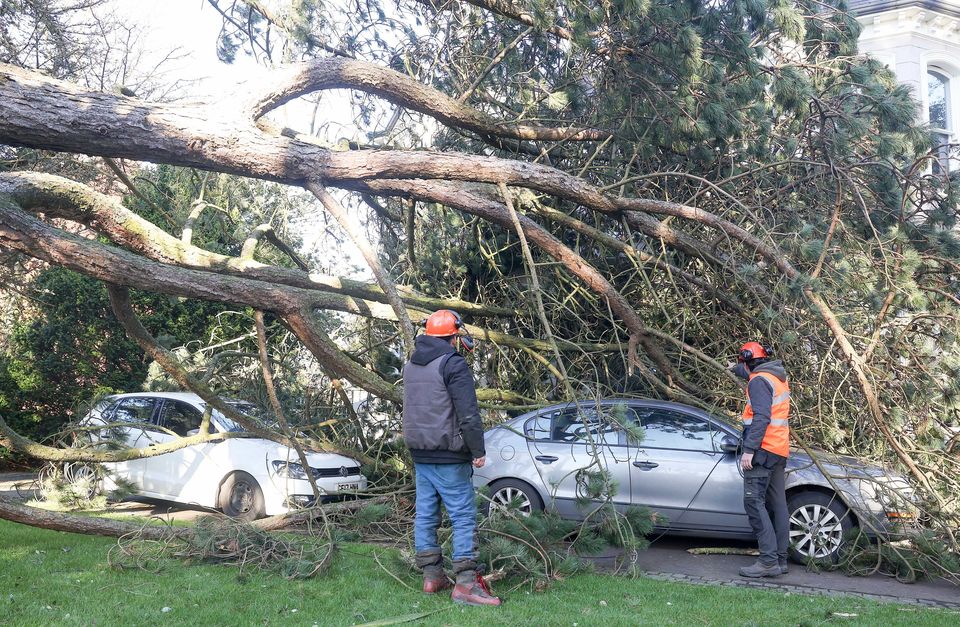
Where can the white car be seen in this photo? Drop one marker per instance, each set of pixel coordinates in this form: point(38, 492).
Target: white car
point(244, 477)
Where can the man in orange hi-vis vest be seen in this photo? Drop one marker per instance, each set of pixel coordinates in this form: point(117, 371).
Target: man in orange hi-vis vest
point(766, 446)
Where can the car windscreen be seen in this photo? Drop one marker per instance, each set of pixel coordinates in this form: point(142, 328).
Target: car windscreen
point(248, 409)
point(727, 420)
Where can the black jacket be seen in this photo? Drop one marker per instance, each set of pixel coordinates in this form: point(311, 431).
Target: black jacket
point(459, 387)
point(761, 398)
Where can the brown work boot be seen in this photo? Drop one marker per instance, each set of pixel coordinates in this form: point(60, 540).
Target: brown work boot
point(759, 569)
point(431, 563)
point(471, 589)
point(434, 579)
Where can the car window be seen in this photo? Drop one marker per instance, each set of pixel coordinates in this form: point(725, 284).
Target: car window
point(538, 427)
point(585, 425)
point(135, 409)
point(180, 417)
point(108, 413)
point(664, 428)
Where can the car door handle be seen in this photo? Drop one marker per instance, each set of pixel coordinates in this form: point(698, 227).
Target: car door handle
point(646, 465)
point(546, 459)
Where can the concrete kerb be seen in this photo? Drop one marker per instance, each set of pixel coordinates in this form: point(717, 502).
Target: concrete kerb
point(678, 560)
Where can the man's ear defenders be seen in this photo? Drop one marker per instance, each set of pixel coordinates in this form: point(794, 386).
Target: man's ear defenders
point(447, 323)
point(463, 337)
point(754, 350)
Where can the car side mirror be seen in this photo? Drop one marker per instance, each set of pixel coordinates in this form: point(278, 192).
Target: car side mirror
point(729, 444)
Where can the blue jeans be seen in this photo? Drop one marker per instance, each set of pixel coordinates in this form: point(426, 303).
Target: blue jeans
point(452, 484)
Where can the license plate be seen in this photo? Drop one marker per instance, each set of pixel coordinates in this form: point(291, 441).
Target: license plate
point(347, 486)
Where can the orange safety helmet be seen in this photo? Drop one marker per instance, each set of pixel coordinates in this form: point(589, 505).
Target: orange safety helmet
point(754, 350)
point(443, 323)
point(446, 323)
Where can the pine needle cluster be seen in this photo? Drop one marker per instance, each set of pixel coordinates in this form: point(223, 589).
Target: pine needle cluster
point(542, 547)
point(221, 540)
point(924, 555)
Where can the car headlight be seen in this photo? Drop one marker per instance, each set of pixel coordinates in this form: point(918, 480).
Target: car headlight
point(290, 470)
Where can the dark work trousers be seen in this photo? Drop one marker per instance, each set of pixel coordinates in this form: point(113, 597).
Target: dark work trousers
point(765, 500)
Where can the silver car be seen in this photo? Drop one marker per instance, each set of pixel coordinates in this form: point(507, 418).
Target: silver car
point(683, 464)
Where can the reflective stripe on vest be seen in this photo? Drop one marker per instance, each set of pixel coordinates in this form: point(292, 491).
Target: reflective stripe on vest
point(777, 437)
point(779, 398)
point(777, 422)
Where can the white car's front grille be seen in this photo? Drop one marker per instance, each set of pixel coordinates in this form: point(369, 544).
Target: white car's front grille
point(340, 471)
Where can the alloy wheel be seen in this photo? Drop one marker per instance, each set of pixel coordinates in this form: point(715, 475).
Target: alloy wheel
point(85, 475)
point(507, 495)
point(815, 530)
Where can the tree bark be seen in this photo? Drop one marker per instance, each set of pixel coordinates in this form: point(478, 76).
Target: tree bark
point(55, 521)
point(54, 115)
point(245, 282)
point(54, 196)
point(294, 81)
point(176, 136)
point(13, 440)
point(72, 523)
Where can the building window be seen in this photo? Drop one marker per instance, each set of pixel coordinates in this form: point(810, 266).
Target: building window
point(938, 113)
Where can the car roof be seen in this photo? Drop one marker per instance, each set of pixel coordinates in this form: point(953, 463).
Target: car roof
point(646, 402)
point(180, 396)
point(188, 397)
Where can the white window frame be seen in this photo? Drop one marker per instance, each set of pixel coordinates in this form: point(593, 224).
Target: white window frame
point(948, 71)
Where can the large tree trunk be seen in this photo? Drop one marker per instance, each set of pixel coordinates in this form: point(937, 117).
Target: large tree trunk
point(50, 114)
point(199, 136)
point(74, 523)
point(55, 521)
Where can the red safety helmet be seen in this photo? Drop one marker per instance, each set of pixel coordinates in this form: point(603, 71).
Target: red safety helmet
point(754, 350)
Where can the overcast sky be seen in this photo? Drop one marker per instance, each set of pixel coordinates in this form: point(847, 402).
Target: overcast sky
point(192, 26)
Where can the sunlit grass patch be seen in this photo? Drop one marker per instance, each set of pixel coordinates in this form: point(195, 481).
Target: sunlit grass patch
point(51, 577)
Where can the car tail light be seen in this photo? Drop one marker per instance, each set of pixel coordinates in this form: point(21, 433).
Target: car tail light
point(901, 517)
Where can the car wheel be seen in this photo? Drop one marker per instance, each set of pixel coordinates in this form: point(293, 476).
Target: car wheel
point(241, 497)
point(85, 476)
point(505, 492)
point(47, 474)
point(818, 524)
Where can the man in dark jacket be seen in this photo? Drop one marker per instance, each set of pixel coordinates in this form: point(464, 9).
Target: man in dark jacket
point(766, 446)
point(443, 430)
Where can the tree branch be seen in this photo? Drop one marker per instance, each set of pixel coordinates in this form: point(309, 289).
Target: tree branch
point(294, 81)
point(58, 197)
point(383, 279)
point(275, 401)
point(508, 9)
point(45, 519)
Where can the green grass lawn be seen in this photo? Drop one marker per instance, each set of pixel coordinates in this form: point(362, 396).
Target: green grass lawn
point(58, 578)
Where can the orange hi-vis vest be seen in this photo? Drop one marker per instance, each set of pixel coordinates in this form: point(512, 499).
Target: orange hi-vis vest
point(777, 438)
